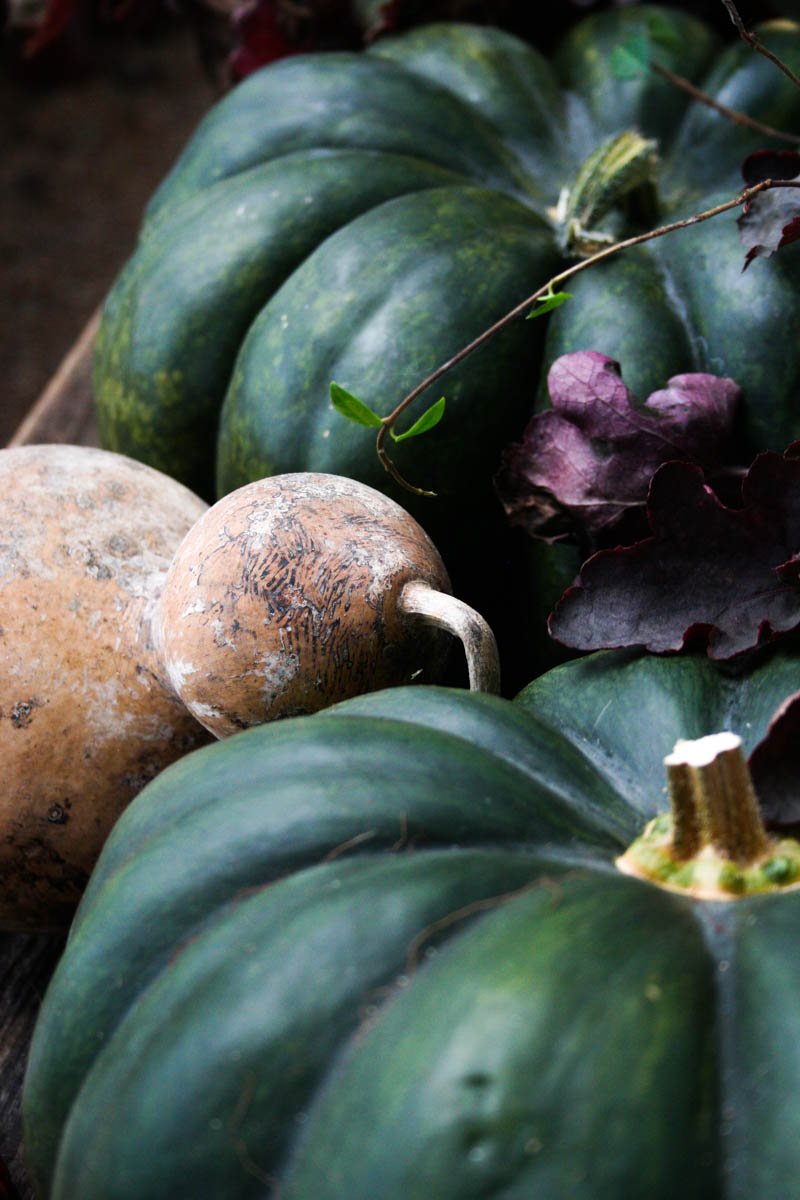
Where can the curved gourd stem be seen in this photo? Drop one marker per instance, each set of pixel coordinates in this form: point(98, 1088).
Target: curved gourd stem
point(446, 612)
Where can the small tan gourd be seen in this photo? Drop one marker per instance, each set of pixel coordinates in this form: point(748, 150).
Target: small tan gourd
point(300, 590)
point(86, 537)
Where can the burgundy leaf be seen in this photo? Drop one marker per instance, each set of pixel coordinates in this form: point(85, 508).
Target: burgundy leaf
point(265, 30)
point(728, 575)
point(583, 464)
point(770, 164)
point(54, 20)
point(772, 219)
point(259, 39)
point(268, 29)
point(775, 766)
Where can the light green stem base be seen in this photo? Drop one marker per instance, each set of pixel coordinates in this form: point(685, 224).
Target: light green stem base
point(709, 875)
point(712, 845)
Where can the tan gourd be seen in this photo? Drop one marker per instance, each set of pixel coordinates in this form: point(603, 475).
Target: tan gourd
point(86, 538)
point(300, 590)
point(132, 616)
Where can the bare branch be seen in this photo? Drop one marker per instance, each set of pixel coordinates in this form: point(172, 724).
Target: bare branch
point(753, 40)
point(743, 198)
point(733, 114)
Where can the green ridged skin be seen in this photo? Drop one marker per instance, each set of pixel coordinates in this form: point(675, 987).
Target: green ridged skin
point(360, 217)
point(174, 324)
point(390, 323)
point(383, 953)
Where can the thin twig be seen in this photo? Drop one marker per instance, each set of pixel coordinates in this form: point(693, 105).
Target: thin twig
point(733, 114)
point(744, 197)
point(753, 40)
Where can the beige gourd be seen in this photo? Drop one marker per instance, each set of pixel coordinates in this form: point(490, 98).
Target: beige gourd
point(134, 619)
point(300, 590)
point(86, 538)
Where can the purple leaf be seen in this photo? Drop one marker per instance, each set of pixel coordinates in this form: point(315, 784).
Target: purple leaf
point(585, 463)
point(770, 164)
point(727, 575)
point(775, 766)
point(772, 219)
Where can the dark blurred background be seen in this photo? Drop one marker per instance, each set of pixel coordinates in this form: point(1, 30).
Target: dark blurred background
point(96, 99)
point(78, 160)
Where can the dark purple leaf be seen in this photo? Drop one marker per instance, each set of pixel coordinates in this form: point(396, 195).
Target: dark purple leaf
point(259, 38)
point(772, 219)
point(268, 29)
point(265, 30)
point(770, 164)
point(775, 766)
point(728, 575)
point(583, 464)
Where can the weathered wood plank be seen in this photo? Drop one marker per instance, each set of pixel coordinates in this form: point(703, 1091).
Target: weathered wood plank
point(26, 964)
point(64, 411)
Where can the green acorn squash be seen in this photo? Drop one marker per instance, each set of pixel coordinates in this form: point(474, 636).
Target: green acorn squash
point(360, 217)
point(383, 953)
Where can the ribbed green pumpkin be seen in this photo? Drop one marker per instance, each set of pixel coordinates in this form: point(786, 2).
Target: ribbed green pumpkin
point(382, 953)
point(360, 217)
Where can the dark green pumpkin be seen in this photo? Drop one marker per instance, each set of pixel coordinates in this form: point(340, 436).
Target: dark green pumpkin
point(383, 953)
point(359, 218)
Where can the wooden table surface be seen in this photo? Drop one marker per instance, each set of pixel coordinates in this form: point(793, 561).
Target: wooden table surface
point(62, 414)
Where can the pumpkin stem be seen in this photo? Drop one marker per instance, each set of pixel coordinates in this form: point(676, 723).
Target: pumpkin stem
point(619, 167)
point(713, 800)
point(713, 843)
point(446, 612)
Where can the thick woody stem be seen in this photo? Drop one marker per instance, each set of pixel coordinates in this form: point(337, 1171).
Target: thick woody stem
point(713, 800)
point(713, 845)
point(686, 833)
point(446, 612)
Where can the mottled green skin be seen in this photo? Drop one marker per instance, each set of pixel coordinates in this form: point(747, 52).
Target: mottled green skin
point(173, 325)
point(382, 953)
point(440, 100)
point(390, 324)
point(358, 218)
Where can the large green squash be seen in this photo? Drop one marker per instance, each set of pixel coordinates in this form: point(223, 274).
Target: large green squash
point(383, 953)
point(360, 217)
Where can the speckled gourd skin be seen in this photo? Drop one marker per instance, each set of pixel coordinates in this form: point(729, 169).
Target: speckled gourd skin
point(87, 717)
point(286, 597)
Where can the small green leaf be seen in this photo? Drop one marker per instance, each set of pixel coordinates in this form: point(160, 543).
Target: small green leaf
point(354, 409)
point(548, 301)
point(432, 416)
point(631, 59)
